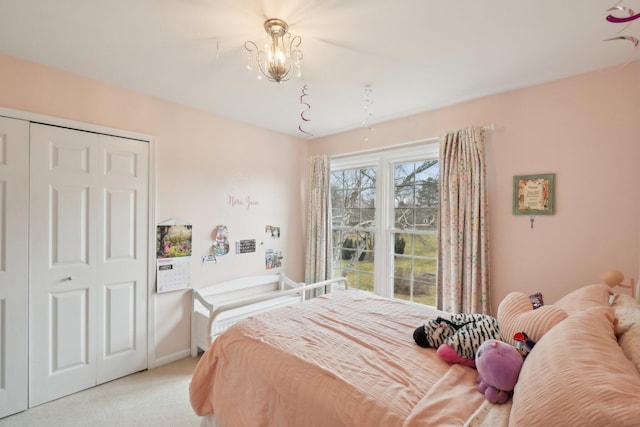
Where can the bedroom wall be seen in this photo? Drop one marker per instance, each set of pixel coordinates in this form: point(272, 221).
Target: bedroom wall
point(207, 169)
point(585, 129)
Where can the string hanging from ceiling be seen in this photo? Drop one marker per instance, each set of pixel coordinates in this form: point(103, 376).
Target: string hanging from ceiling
point(628, 18)
point(368, 115)
point(304, 113)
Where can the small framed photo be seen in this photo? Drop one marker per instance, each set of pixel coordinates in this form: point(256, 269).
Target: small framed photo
point(534, 194)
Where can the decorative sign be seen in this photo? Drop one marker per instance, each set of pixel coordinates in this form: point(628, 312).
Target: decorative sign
point(243, 202)
point(533, 194)
point(246, 246)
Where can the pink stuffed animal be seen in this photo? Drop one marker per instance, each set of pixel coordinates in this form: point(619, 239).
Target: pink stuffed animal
point(498, 365)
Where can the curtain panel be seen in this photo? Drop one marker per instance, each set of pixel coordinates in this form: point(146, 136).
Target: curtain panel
point(318, 259)
point(463, 242)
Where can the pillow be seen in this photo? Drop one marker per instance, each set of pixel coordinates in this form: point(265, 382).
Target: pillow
point(516, 314)
point(577, 375)
point(630, 344)
point(583, 298)
point(627, 312)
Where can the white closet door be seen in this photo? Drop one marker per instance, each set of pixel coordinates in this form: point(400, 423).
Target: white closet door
point(122, 257)
point(87, 260)
point(14, 268)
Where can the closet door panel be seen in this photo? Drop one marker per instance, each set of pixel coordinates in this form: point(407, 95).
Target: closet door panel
point(122, 278)
point(88, 259)
point(62, 262)
point(14, 268)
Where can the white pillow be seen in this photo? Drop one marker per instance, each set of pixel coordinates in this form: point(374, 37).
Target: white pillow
point(627, 312)
point(630, 344)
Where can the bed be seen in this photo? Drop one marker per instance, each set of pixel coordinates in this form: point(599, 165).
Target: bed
point(348, 359)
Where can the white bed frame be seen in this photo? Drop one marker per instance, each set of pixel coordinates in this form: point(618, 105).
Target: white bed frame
point(216, 307)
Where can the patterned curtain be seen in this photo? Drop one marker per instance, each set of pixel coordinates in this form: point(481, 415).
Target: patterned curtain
point(463, 256)
point(318, 259)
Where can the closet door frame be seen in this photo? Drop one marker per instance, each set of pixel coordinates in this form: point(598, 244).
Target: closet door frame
point(151, 244)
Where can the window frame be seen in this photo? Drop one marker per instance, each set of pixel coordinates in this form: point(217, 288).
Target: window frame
point(384, 161)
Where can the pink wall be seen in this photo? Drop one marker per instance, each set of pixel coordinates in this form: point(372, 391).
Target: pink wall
point(202, 160)
point(585, 130)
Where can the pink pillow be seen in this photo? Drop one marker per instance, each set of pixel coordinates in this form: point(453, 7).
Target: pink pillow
point(516, 314)
point(577, 375)
point(583, 298)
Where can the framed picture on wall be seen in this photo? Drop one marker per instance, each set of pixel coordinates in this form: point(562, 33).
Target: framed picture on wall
point(534, 194)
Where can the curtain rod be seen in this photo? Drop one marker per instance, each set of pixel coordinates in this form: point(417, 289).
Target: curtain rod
point(491, 126)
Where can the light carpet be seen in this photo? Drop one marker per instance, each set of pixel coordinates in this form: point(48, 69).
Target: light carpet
point(157, 397)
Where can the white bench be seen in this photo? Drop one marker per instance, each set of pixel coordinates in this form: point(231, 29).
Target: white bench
point(217, 307)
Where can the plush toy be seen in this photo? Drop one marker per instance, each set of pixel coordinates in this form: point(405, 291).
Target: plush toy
point(498, 365)
point(524, 344)
point(457, 339)
point(434, 332)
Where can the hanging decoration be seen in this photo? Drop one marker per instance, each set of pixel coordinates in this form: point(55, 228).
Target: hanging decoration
point(367, 113)
point(617, 20)
point(304, 112)
point(628, 19)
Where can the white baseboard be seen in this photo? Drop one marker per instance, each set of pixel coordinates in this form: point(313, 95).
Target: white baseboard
point(170, 358)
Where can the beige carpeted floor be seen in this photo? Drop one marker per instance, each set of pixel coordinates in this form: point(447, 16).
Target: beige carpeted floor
point(158, 397)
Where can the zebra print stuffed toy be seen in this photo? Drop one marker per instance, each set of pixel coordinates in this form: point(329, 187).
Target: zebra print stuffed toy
point(458, 337)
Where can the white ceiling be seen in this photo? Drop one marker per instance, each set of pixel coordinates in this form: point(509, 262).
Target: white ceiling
point(416, 55)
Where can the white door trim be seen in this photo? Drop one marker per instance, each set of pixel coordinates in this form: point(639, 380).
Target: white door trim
point(152, 141)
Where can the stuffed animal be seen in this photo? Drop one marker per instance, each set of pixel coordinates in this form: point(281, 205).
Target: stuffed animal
point(457, 339)
point(498, 365)
point(434, 332)
point(524, 344)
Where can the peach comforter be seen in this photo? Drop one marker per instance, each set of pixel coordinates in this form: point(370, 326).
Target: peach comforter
point(344, 359)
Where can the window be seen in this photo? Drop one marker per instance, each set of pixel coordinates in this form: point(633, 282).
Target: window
point(353, 220)
point(414, 232)
point(384, 218)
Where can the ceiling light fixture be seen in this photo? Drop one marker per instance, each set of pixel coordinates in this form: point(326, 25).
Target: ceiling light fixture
point(280, 54)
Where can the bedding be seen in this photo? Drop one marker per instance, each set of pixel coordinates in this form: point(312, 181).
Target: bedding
point(577, 375)
point(348, 359)
point(343, 359)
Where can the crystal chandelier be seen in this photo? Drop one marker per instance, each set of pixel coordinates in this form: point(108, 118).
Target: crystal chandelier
point(281, 53)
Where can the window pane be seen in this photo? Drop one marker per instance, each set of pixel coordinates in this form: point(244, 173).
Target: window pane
point(337, 198)
point(368, 217)
point(352, 217)
point(404, 218)
point(403, 174)
point(354, 191)
point(414, 279)
point(426, 245)
point(404, 196)
point(368, 198)
point(403, 244)
point(426, 219)
point(416, 211)
point(367, 178)
point(350, 179)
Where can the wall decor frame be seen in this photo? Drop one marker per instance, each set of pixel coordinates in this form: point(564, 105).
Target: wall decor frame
point(534, 194)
